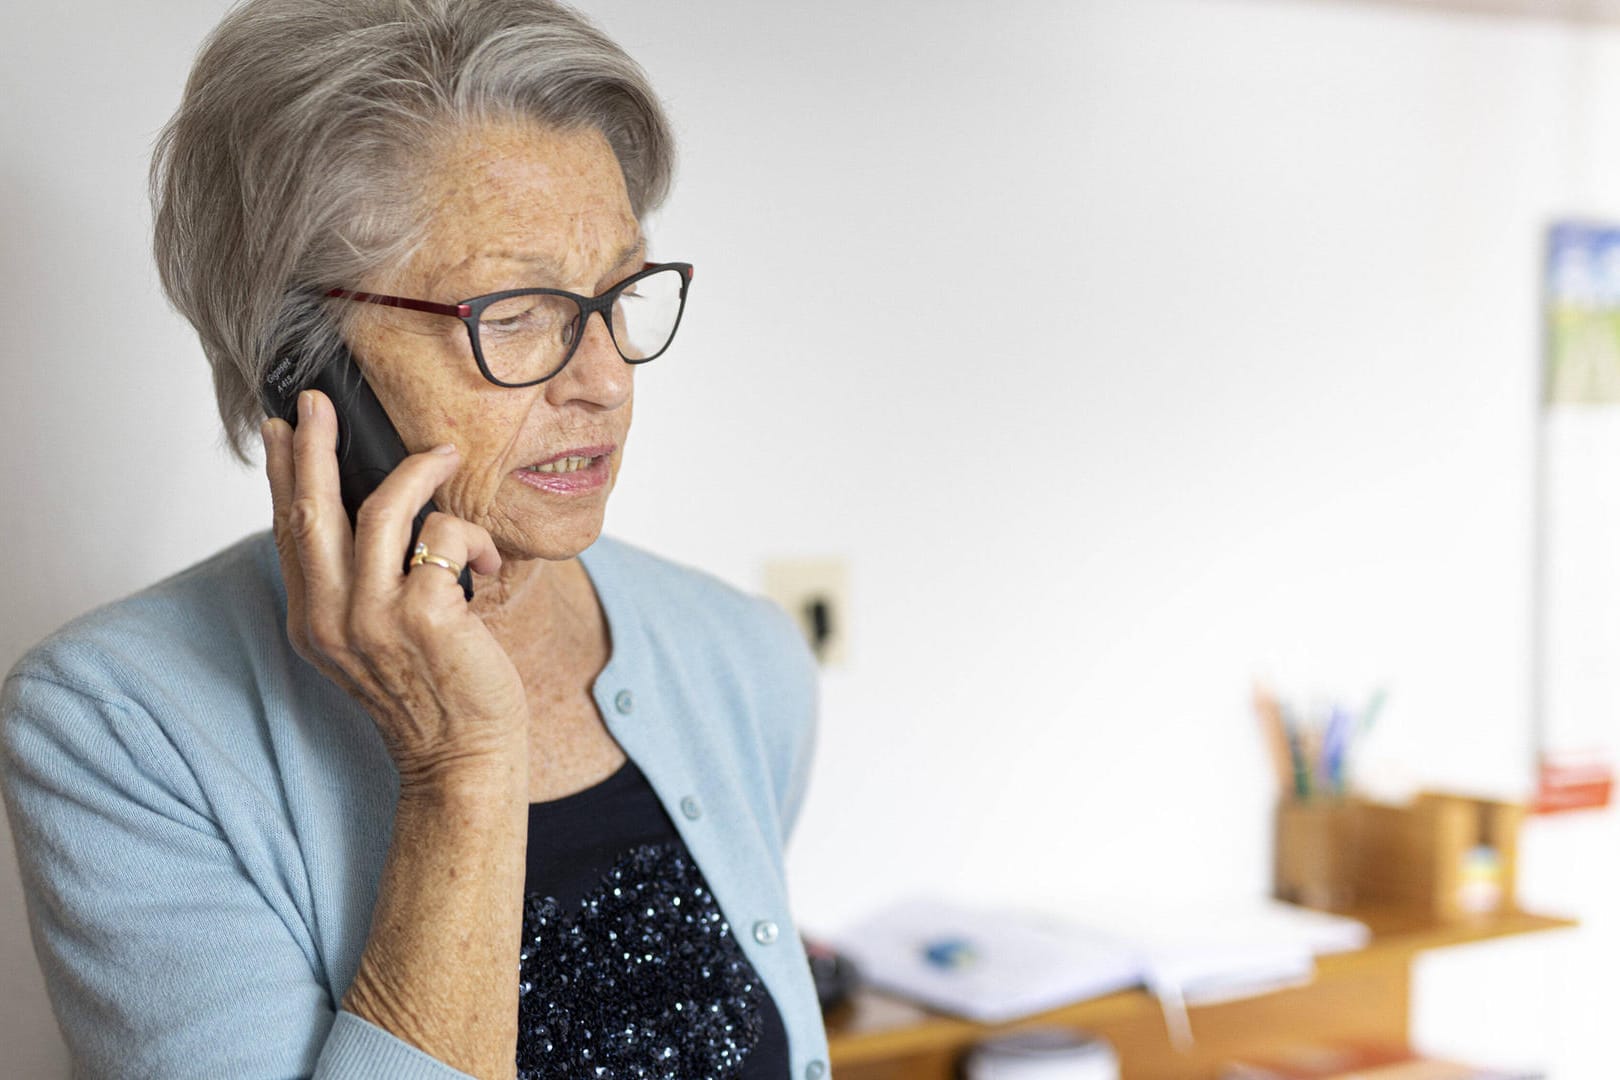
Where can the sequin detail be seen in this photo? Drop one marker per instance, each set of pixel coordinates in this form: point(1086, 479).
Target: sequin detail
point(644, 980)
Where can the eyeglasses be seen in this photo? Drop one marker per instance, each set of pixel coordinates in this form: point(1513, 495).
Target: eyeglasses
point(525, 336)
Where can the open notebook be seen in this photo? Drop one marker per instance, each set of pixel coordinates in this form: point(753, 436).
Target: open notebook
point(994, 964)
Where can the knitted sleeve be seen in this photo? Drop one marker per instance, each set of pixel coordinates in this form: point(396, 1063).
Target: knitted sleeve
point(161, 957)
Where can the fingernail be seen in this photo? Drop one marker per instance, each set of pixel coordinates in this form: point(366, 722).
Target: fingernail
point(306, 404)
point(445, 448)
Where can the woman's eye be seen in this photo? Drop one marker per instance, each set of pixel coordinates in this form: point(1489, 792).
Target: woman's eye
point(506, 316)
point(519, 315)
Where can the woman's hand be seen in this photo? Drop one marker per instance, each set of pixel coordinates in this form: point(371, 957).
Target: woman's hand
point(444, 694)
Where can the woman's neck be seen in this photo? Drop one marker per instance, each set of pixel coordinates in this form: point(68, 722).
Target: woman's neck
point(536, 601)
point(497, 596)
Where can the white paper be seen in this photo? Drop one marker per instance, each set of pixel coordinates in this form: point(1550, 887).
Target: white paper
point(1025, 962)
point(1020, 965)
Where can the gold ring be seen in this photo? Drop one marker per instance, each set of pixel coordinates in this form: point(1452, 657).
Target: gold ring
point(422, 555)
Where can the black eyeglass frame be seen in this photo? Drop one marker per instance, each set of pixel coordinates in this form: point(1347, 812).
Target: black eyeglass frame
point(469, 311)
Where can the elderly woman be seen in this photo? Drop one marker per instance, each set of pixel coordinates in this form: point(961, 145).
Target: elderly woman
point(305, 808)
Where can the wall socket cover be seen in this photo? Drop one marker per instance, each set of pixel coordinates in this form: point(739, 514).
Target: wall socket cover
point(816, 593)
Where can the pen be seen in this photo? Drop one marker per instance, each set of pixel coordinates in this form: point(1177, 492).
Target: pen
point(1271, 726)
point(1334, 745)
point(1296, 751)
point(1310, 752)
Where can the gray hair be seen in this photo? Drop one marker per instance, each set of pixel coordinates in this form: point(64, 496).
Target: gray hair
point(293, 162)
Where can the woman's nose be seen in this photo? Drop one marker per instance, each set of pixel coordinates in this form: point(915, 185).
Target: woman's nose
point(596, 373)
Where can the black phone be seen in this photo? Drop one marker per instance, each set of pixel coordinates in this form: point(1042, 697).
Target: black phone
point(368, 447)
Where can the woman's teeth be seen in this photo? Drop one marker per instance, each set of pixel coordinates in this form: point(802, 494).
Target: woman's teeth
point(572, 464)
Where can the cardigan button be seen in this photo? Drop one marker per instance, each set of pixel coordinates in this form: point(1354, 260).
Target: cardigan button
point(815, 1071)
point(624, 701)
point(765, 931)
point(690, 807)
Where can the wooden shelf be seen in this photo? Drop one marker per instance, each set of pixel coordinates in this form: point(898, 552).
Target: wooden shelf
point(1361, 995)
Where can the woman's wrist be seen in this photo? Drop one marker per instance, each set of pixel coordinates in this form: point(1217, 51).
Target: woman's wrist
point(470, 778)
point(436, 968)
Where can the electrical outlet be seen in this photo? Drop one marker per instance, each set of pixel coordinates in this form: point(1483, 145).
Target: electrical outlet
point(816, 593)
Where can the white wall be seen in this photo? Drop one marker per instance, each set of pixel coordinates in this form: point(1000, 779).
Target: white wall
point(1126, 348)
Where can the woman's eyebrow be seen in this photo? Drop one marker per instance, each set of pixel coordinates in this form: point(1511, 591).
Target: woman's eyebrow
point(544, 264)
point(637, 244)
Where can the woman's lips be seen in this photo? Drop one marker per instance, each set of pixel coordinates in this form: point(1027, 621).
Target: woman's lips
point(590, 477)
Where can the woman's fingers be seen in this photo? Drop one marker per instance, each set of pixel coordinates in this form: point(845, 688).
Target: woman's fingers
point(457, 541)
point(318, 523)
point(281, 469)
point(383, 530)
point(278, 467)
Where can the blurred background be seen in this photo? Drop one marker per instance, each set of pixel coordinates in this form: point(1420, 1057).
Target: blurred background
point(1121, 350)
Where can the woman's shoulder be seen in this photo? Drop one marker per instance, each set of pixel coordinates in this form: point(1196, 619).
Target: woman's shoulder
point(211, 615)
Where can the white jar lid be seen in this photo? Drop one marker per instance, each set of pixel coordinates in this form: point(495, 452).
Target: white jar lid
point(1042, 1054)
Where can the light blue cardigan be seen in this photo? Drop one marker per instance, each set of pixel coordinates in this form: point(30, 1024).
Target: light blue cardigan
point(201, 818)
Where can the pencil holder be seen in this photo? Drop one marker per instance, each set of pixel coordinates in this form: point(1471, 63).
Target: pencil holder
point(1315, 854)
point(1448, 856)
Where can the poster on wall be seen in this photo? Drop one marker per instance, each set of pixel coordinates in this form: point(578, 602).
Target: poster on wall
point(1578, 586)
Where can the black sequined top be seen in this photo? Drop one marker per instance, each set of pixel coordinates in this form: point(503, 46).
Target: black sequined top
point(629, 968)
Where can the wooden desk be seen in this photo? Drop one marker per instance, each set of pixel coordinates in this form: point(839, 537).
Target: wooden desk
point(1362, 995)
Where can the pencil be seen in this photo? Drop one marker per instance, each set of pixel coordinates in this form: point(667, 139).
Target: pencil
point(1306, 741)
point(1276, 737)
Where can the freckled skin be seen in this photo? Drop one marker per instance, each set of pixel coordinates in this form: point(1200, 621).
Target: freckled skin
point(494, 194)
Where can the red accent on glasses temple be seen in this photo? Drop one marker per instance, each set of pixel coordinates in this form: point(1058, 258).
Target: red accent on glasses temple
point(689, 271)
point(460, 311)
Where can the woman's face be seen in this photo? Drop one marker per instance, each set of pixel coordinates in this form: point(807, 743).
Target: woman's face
point(512, 206)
